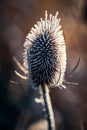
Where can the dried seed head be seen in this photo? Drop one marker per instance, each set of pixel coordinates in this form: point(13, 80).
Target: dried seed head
point(45, 52)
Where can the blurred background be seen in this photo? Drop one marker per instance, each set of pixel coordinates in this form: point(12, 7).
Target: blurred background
point(18, 110)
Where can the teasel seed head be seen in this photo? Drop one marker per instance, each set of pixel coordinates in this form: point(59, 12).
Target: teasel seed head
point(45, 53)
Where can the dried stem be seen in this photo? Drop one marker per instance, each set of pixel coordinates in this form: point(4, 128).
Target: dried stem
point(48, 107)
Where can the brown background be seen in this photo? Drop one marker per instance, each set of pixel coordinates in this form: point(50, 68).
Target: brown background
point(17, 101)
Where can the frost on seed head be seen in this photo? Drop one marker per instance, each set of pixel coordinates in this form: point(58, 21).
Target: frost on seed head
point(45, 52)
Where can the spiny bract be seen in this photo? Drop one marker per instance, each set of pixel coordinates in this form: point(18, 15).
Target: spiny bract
point(45, 53)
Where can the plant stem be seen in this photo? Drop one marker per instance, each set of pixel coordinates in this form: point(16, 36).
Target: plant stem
point(48, 107)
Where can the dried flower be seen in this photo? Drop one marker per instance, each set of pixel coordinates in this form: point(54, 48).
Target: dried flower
point(45, 53)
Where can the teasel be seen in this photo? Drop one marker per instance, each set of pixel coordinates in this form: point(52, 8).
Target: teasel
point(45, 59)
point(45, 53)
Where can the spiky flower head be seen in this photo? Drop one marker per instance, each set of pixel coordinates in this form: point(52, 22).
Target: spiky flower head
point(45, 52)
